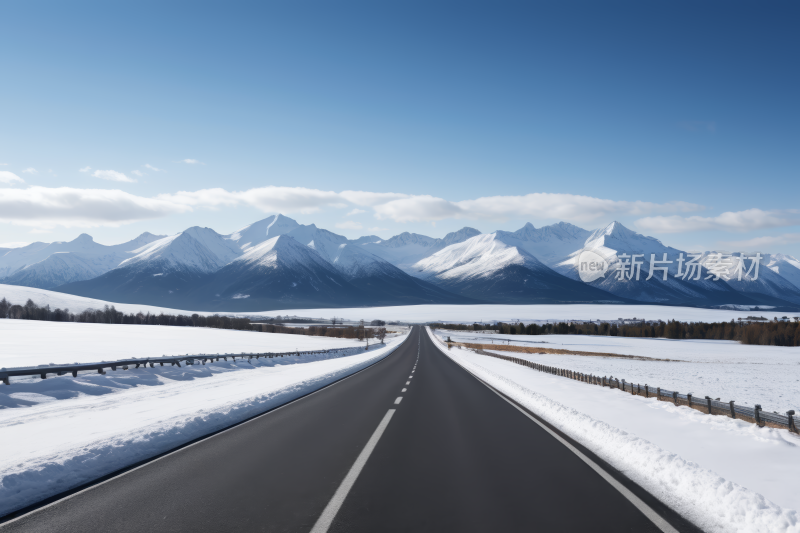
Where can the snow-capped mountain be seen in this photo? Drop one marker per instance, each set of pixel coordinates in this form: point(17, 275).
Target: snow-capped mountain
point(163, 271)
point(46, 266)
point(404, 250)
point(311, 267)
point(495, 268)
point(263, 230)
point(786, 266)
point(765, 287)
point(277, 273)
point(385, 283)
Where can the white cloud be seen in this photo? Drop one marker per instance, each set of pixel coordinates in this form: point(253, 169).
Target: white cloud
point(3, 164)
point(365, 198)
point(154, 169)
point(85, 169)
point(759, 243)
point(191, 161)
point(748, 220)
point(425, 208)
point(13, 244)
point(137, 173)
point(267, 199)
point(349, 224)
point(30, 170)
point(112, 175)
point(45, 207)
point(9, 177)
point(355, 212)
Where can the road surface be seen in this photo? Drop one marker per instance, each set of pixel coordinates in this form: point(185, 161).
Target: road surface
point(412, 443)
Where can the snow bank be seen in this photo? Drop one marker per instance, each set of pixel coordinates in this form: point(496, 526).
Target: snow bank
point(103, 423)
point(724, 475)
point(747, 374)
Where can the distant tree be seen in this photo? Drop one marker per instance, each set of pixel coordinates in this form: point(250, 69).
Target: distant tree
point(377, 323)
point(4, 305)
point(380, 333)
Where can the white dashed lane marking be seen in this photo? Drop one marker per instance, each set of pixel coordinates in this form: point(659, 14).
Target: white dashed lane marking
point(398, 400)
point(403, 390)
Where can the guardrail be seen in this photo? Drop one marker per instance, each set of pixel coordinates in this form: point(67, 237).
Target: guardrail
point(125, 364)
point(755, 415)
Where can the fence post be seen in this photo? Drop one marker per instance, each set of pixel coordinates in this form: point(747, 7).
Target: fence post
point(658, 393)
point(646, 391)
point(623, 386)
point(675, 397)
point(689, 395)
point(792, 427)
point(708, 401)
point(733, 410)
point(758, 416)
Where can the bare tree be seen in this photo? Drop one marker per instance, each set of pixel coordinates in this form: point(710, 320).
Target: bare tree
point(381, 334)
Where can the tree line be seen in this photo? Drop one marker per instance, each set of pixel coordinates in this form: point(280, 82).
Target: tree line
point(772, 333)
point(109, 315)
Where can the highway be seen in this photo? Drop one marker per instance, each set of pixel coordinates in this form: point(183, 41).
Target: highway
point(412, 443)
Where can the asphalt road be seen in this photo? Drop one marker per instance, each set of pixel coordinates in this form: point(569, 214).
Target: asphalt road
point(452, 455)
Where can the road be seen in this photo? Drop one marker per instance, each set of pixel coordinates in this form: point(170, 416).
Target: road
point(450, 455)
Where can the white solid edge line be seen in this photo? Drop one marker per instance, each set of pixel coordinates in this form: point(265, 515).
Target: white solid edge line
point(645, 509)
point(186, 447)
point(329, 513)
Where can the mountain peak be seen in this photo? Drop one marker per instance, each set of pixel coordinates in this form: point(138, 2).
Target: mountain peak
point(83, 238)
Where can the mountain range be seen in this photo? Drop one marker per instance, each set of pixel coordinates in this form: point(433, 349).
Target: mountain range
point(277, 263)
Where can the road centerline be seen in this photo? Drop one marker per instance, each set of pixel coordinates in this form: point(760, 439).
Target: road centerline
point(329, 513)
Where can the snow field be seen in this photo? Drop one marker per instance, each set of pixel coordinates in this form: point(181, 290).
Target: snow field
point(747, 374)
point(415, 313)
point(93, 425)
point(724, 475)
point(32, 343)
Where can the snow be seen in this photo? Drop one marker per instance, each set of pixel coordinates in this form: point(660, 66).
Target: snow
point(477, 257)
point(747, 374)
point(104, 423)
point(32, 343)
point(196, 249)
point(724, 475)
point(527, 313)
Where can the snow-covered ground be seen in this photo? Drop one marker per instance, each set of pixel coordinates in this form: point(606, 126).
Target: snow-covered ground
point(74, 430)
point(31, 343)
point(417, 313)
point(724, 475)
point(747, 374)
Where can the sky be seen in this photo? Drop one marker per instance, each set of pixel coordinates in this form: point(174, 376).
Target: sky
point(681, 120)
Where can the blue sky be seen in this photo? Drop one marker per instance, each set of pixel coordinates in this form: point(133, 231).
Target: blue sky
point(679, 119)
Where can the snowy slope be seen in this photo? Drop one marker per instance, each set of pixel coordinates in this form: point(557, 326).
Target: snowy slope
point(550, 244)
point(380, 281)
point(49, 265)
point(495, 268)
point(406, 249)
point(615, 239)
point(787, 266)
point(768, 287)
point(163, 272)
point(195, 249)
point(263, 230)
point(270, 274)
point(324, 242)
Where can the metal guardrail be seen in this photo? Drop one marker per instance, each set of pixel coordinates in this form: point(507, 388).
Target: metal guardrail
point(755, 415)
point(125, 364)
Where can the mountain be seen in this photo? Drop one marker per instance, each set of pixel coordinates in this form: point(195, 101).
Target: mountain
point(615, 239)
point(278, 273)
point(384, 284)
point(404, 250)
point(47, 266)
point(768, 287)
point(786, 266)
point(263, 230)
point(496, 269)
point(550, 244)
point(162, 272)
